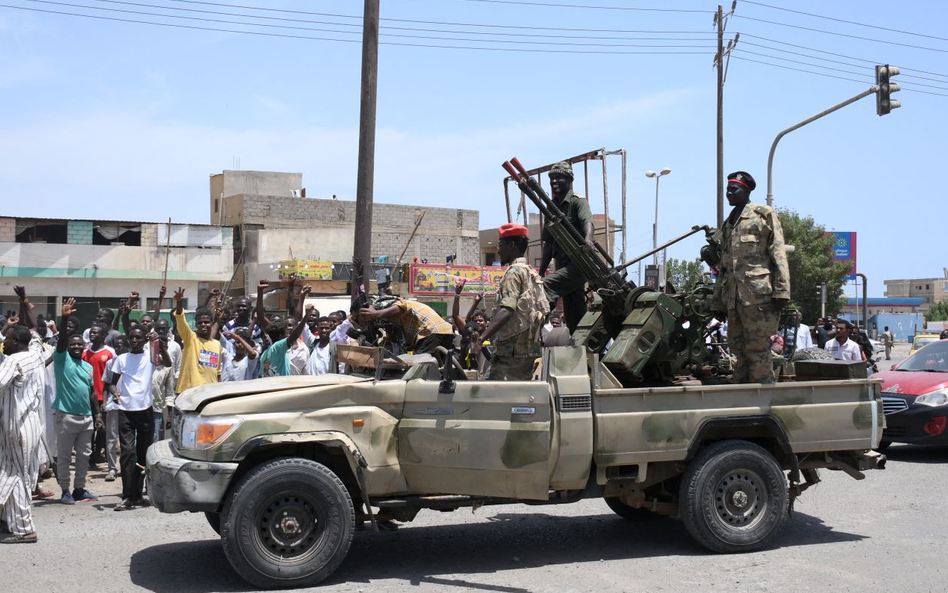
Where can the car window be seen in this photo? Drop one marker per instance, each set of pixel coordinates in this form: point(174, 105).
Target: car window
point(922, 341)
point(931, 357)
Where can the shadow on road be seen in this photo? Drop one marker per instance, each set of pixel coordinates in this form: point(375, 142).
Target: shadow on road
point(433, 554)
point(917, 454)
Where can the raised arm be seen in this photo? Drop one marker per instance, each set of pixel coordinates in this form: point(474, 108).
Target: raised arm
point(126, 308)
point(301, 323)
point(27, 317)
point(67, 311)
point(261, 314)
point(211, 295)
point(161, 299)
point(459, 321)
point(290, 302)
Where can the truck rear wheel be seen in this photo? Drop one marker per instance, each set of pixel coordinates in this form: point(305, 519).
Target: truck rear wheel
point(629, 513)
point(733, 497)
point(214, 520)
point(288, 523)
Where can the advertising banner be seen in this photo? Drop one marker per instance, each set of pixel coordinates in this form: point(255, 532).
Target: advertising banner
point(426, 279)
point(844, 249)
point(306, 269)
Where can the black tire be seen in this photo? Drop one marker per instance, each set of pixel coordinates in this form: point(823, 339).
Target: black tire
point(629, 513)
point(214, 520)
point(883, 445)
point(733, 497)
point(288, 523)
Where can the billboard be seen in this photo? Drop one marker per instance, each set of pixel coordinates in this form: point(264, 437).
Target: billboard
point(844, 249)
point(306, 269)
point(425, 279)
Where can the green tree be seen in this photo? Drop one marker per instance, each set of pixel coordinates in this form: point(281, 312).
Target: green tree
point(684, 274)
point(938, 312)
point(811, 264)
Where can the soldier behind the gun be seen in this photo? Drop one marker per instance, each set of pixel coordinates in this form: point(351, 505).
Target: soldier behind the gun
point(566, 281)
point(521, 310)
point(753, 280)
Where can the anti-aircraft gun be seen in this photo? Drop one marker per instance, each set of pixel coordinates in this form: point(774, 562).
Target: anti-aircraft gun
point(656, 336)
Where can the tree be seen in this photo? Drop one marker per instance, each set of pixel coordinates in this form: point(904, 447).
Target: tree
point(938, 312)
point(811, 264)
point(684, 274)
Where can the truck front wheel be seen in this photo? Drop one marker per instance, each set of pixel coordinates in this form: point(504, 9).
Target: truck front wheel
point(288, 523)
point(733, 497)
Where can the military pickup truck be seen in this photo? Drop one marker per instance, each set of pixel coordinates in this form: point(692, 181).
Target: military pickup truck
point(285, 468)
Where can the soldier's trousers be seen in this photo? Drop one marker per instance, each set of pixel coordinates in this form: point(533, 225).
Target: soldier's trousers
point(511, 368)
point(748, 335)
point(567, 282)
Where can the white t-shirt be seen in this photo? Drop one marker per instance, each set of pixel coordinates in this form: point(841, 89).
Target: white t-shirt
point(803, 337)
point(848, 350)
point(239, 370)
point(134, 385)
point(319, 360)
point(298, 357)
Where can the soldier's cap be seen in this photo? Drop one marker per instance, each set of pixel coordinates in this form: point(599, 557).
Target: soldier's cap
point(562, 168)
point(511, 229)
point(744, 179)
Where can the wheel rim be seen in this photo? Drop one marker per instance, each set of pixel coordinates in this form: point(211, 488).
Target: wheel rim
point(290, 526)
point(740, 500)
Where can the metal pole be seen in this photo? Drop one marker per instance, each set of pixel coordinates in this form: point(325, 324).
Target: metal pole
point(720, 141)
point(865, 303)
point(655, 226)
point(605, 204)
point(624, 221)
point(770, 160)
point(507, 200)
point(362, 240)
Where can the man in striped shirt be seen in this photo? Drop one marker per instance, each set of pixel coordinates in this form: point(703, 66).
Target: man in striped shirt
point(22, 381)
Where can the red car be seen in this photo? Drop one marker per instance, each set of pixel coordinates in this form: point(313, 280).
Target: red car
point(915, 397)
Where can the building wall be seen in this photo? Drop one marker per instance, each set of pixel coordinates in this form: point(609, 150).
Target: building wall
point(933, 290)
point(230, 183)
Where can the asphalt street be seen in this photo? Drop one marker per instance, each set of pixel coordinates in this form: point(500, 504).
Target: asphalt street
point(888, 532)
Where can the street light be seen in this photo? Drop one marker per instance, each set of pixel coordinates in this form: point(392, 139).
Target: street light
point(657, 177)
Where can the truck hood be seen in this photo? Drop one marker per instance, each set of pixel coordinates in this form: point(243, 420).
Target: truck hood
point(193, 399)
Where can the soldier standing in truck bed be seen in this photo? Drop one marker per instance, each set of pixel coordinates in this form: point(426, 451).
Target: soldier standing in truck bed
point(753, 283)
point(521, 311)
point(566, 281)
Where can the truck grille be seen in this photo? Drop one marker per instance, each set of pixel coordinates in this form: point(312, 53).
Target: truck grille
point(575, 402)
point(892, 405)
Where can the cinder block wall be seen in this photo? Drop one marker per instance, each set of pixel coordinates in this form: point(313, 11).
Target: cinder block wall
point(79, 232)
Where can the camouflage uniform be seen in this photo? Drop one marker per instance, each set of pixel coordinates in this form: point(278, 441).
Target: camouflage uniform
point(753, 272)
point(567, 281)
point(517, 344)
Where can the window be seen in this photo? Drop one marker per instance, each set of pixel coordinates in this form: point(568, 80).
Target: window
point(216, 205)
point(489, 259)
point(41, 232)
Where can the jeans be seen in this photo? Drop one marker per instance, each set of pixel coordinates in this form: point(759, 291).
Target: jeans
point(72, 432)
point(136, 430)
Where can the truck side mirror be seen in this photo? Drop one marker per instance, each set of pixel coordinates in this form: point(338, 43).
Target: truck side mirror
point(447, 384)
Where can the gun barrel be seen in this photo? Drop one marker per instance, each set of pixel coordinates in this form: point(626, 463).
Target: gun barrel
point(693, 230)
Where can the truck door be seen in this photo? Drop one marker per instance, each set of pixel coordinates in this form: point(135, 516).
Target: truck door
point(488, 438)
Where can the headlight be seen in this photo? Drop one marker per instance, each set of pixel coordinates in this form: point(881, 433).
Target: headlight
point(933, 399)
point(200, 432)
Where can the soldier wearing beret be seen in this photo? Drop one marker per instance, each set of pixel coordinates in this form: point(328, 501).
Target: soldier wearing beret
point(521, 310)
point(753, 283)
point(566, 281)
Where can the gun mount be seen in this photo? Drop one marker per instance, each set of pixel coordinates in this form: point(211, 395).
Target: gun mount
point(657, 335)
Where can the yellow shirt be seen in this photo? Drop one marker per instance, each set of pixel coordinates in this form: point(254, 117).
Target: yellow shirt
point(200, 359)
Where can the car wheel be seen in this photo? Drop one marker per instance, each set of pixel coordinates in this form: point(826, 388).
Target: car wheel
point(214, 520)
point(883, 445)
point(629, 513)
point(288, 523)
point(733, 497)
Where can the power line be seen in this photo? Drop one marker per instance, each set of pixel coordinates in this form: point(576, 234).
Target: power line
point(310, 38)
point(829, 18)
point(588, 6)
point(399, 35)
point(838, 34)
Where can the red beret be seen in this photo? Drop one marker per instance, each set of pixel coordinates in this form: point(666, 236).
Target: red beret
point(511, 229)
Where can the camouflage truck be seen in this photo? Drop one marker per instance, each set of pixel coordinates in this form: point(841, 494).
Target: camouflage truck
point(285, 467)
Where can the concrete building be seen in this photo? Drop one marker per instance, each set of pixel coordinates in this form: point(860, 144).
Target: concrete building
point(280, 226)
point(933, 290)
point(99, 262)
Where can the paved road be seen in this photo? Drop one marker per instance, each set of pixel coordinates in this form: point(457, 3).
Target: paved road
point(886, 533)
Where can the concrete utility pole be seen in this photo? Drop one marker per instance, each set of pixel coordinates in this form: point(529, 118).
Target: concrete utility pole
point(362, 243)
point(719, 21)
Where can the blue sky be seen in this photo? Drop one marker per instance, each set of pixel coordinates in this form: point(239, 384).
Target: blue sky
point(111, 119)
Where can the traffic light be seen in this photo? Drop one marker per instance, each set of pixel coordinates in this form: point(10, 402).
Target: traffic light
point(884, 102)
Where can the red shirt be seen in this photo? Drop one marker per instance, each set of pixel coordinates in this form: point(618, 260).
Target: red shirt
point(98, 360)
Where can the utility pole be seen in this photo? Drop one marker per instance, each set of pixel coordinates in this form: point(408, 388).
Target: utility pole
point(720, 21)
point(362, 241)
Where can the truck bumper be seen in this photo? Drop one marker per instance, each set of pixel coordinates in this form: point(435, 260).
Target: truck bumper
point(177, 484)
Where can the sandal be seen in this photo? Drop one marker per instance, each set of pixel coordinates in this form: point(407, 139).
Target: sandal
point(29, 538)
point(41, 494)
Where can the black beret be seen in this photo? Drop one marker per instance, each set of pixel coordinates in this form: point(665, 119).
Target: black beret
point(744, 179)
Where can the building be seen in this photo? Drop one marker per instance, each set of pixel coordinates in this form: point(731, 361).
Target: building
point(99, 262)
point(275, 223)
point(933, 290)
point(488, 239)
